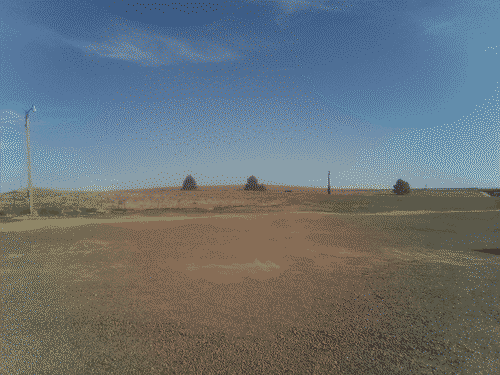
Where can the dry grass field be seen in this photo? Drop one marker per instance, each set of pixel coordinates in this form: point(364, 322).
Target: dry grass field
point(223, 280)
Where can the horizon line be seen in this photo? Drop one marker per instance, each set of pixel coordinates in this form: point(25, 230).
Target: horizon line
point(234, 186)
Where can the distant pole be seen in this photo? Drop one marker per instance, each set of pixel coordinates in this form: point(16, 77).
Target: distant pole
point(30, 192)
point(329, 192)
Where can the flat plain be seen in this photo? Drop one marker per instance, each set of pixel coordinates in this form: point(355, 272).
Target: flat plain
point(221, 279)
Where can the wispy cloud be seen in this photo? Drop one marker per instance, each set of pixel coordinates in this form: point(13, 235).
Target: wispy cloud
point(159, 49)
point(11, 117)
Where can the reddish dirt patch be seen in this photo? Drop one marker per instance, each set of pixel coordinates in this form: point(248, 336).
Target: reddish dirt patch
point(240, 274)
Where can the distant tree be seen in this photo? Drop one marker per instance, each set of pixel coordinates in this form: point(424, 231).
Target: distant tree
point(189, 183)
point(401, 187)
point(253, 184)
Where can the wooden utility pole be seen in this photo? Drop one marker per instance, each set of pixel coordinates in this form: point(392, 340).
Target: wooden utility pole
point(30, 190)
point(329, 192)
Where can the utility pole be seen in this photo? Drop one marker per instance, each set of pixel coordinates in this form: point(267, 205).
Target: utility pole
point(329, 192)
point(30, 192)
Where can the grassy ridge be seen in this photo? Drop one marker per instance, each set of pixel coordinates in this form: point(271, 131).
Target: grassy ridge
point(73, 201)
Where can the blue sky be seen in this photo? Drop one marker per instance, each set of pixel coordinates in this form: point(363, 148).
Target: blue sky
point(133, 95)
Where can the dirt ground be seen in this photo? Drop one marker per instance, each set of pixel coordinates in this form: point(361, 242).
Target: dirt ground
point(231, 281)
